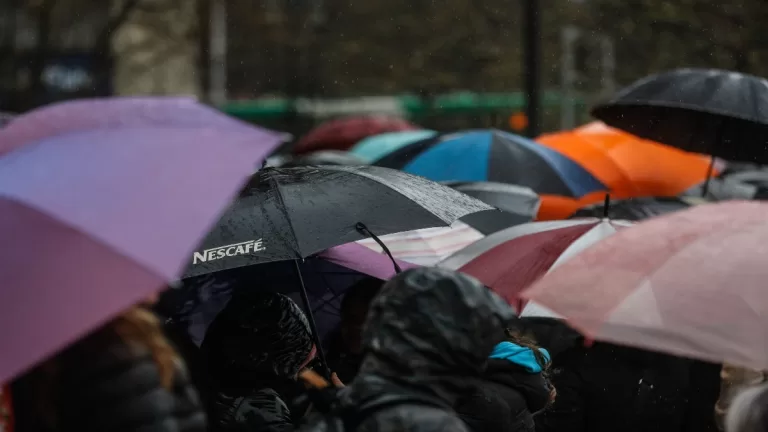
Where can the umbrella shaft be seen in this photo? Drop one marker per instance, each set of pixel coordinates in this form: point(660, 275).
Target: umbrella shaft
point(312, 325)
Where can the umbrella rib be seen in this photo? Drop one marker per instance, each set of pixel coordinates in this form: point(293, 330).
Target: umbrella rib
point(284, 211)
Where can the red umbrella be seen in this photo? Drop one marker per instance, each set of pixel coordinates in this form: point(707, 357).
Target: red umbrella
point(691, 283)
point(343, 133)
point(509, 261)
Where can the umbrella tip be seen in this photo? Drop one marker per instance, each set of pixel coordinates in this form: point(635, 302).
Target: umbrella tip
point(606, 205)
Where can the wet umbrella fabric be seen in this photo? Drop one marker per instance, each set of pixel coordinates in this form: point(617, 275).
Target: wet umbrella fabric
point(629, 166)
point(122, 112)
point(376, 147)
point(516, 204)
point(293, 213)
point(343, 133)
point(429, 245)
point(490, 155)
point(93, 222)
point(635, 209)
point(690, 283)
point(509, 261)
point(327, 276)
point(716, 112)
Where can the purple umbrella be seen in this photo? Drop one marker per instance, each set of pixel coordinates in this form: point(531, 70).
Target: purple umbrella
point(93, 222)
point(121, 112)
point(326, 276)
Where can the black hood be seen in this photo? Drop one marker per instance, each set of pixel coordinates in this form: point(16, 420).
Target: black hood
point(429, 328)
point(256, 339)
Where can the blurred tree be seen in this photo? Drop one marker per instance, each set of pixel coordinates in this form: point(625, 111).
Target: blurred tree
point(652, 36)
point(382, 46)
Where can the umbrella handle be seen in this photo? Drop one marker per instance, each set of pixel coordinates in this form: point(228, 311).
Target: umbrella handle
point(311, 318)
point(362, 229)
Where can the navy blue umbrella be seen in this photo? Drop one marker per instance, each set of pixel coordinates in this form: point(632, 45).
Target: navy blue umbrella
point(494, 156)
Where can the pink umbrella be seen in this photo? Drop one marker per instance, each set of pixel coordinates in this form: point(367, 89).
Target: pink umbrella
point(92, 222)
point(691, 283)
point(119, 112)
point(508, 261)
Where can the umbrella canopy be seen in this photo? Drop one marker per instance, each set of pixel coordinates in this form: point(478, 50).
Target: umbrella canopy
point(690, 283)
point(122, 112)
point(375, 147)
point(721, 189)
point(429, 245)
point(292, 213)
point(92, 222)
point(721, 113)
point(325, 157)
point(516, 205)
point(509, 261)
point(635, 209)
point(343, 133)
point(327, 277)
point(629, 166)
point(490, 155)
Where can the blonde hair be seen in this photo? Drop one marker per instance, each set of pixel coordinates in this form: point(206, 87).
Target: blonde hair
point(140, 327)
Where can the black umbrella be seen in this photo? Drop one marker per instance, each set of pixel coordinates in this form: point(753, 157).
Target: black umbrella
point(721, 113)
point(634, 209)
point(293, 213)
point(516, 204)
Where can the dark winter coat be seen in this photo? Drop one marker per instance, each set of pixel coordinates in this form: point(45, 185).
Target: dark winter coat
point(506, 399)
point(428, 336)
point(102, 384)
point(607, 388)
point(253, 350)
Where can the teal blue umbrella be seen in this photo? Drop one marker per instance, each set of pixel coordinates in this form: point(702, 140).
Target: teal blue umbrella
point(375, 147)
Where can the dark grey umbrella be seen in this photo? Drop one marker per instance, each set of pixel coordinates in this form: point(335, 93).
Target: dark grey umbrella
point(293, 213)
point(634, 209)
point(516, 204)
point(716, 112)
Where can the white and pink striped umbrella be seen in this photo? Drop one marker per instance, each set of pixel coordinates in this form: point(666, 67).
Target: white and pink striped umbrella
point(691, 283)
point(427, 246)
point(508, 261)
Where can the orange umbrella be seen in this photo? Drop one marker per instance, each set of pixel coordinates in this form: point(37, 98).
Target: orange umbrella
point(628, 165)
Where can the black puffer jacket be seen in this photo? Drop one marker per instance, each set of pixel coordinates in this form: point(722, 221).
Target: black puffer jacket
point(428, 336)
point(505, 400)
point(253, 351)
point(102, 384)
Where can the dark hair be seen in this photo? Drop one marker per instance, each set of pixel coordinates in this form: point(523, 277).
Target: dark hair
point(361, 293)
point(529, 342)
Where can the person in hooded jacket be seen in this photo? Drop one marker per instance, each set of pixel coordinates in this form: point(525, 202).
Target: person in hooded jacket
point(513, 388)
point(253, 351)
point(427, 339)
